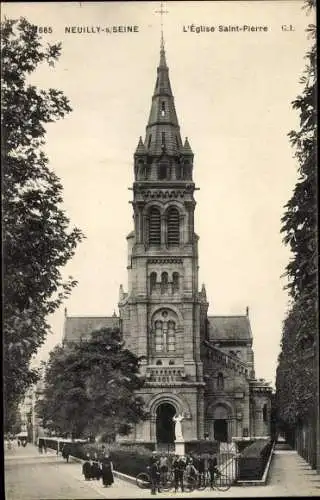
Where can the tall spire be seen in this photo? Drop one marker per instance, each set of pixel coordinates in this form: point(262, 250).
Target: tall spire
point(163, 131)
point(162, 51)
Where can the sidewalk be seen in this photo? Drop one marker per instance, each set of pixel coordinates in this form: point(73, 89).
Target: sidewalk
point(30, 451)
point(291, 475)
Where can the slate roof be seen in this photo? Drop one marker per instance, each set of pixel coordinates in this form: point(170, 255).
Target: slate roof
point(79, 327)
point(220, 328)
point(223, 328)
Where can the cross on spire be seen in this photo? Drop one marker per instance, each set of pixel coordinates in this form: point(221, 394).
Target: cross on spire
point(161, 12)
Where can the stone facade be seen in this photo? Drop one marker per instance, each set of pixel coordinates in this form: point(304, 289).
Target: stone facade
point(195, 364)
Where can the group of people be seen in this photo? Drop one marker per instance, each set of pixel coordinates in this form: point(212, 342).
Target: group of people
point(98, 468)
point(182, 467)
point(11, 441)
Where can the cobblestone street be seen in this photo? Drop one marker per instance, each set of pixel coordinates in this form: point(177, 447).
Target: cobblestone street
point(31, 476)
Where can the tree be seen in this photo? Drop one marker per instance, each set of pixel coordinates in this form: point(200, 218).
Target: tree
point(299, 222)
point(89, 387)
point(37, 240)
point(296, 380)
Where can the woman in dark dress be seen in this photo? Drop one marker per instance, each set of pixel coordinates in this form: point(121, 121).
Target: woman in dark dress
point(87, 469)
point(66, 452)
point(96, 469)
point(106, 471)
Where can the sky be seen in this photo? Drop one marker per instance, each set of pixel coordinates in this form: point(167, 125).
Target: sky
point(233, 92)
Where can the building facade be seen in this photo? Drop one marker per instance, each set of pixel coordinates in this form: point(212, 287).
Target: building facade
point(194, 364)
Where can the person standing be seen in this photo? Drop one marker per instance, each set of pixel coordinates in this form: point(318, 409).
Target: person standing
point(201, 470)
point(163, 463)
point(40, 445)
point(212, 468)
point(96, 469)
point(87, 468)
point(107, 471)
point(154, 476)
point(179, 466)
point(66, 452)
point(191, 470)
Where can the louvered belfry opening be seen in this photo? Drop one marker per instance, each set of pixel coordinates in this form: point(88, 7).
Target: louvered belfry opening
point(173, 223)
point(154, 227)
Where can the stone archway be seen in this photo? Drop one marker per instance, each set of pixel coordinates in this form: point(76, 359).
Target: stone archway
point(177, 401)
point(220, 418)
point(164, 423)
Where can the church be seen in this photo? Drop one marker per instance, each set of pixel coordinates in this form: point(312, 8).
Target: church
point(197, 365)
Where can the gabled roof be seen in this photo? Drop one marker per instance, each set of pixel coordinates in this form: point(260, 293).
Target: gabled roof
point(226, 328)
point(78, 328)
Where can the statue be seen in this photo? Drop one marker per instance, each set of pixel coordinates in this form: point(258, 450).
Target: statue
point(178, 426)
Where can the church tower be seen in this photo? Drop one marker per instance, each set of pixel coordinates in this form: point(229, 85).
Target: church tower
point(160, 313)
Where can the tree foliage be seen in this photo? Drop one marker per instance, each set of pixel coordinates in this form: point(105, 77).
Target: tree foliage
point(89, 387)
point(37, 240)
point(296, 373)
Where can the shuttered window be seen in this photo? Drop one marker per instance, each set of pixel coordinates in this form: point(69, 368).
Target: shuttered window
point(173, 224)
point(154, 227)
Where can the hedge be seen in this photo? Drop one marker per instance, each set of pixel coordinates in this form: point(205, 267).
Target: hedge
point(242, 445)
point(200, 447)
point(253, 460)
point(129, 460)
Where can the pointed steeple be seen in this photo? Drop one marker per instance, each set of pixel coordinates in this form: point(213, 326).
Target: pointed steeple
point(140, 149)
point(187, 148)
point(163, 62)
point(163, 131)
point(203, 293)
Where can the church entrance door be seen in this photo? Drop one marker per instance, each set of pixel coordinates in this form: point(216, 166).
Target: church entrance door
point(221, 430)
point(165, 424)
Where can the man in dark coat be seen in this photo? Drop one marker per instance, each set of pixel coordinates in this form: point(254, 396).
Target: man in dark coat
point(212, 468)
point(179, 466)
point(201, 470)
point(154, 476)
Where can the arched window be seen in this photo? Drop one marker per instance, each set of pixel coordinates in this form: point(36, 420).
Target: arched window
point(159, 362)
point(265, 413)
point(159, 336)
point(175, 282)
point(164, 332)
point(180, 172)
point(171, 362)
point(173, 224)
point(142, 170)
point(164, 282)
point(220, 381)
point(153, 281)
point(154, 227)
point(163, 171)
point(187, 170)
point(171, 336)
